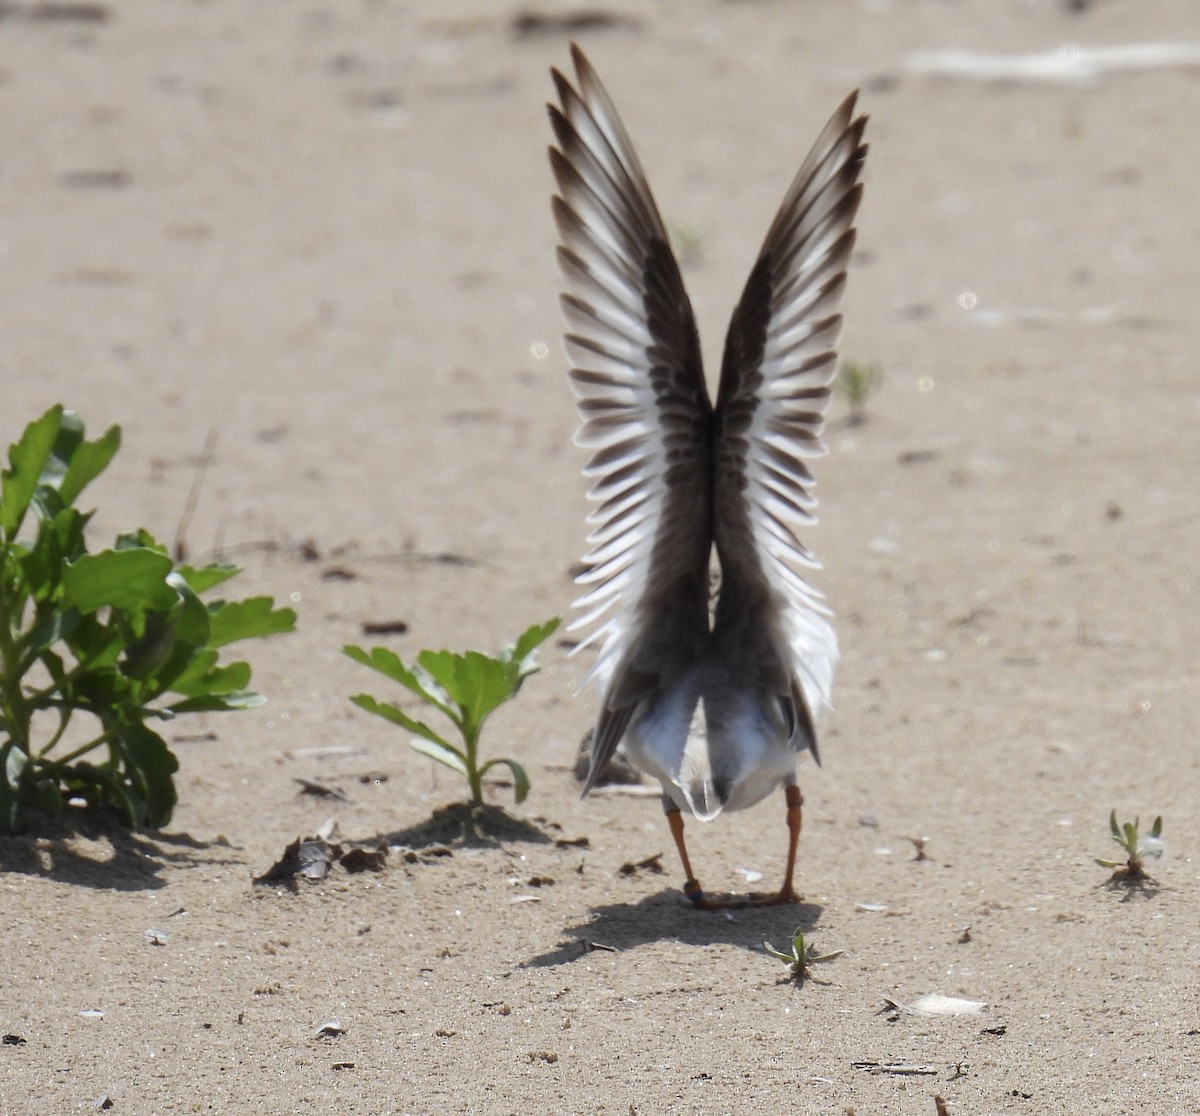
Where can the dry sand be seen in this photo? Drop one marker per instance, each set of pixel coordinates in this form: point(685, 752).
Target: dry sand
point(322, 231)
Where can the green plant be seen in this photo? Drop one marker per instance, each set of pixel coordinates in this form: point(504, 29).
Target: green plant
point(856, 381)
point(466, 688)
point(689, 241)
point(800, 956)
point(1135, 847)
point(101, 643)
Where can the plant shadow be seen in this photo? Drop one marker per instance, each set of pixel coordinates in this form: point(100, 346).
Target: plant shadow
point(668, 916)
point(1129, 887)
point(96, 849)
point(461, 825)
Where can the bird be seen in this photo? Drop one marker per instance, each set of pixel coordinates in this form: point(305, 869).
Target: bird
point(715, 654)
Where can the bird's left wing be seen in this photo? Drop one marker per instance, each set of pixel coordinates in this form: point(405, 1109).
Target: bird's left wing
point(644, 409)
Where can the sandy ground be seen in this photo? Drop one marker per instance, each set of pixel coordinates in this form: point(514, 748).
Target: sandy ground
point(322, 231)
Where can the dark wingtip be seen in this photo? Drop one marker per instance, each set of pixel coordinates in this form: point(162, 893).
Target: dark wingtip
point(590, 782)
point(562, 86)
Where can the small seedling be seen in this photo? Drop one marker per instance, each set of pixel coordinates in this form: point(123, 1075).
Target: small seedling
point(689, 241)
point(856, 381)
point(102, 644)
point(1136, 849)
point(466, 688)
point(801, 956)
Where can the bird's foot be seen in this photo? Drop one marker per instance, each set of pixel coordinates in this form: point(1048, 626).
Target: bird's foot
point(778, 898)
point(734, 901)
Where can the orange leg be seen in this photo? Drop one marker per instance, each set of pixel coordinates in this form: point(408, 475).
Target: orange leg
point(691, 887)
point(786, 893)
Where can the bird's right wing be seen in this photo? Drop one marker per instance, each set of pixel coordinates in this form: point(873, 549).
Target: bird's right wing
point(780, 359)
point(644, 409)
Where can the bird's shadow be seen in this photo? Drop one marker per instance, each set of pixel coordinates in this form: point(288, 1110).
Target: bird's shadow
point(667, 916)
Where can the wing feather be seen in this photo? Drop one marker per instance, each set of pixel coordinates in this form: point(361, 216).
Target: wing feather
point(780, 359)
point(643, 407)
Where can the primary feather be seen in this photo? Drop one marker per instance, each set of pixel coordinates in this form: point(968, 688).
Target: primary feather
point(715, 702)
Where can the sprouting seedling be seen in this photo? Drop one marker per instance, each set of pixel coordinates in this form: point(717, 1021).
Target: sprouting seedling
point(689, 242)
point(1136, 848)
point(800, 956)
point(856, 381)
point(465, 688)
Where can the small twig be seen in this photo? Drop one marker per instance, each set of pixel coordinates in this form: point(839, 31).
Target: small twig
point(179, 547)
point(896, 1069)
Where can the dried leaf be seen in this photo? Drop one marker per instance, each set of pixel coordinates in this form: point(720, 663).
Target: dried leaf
point(650, 864)
point(365, 860)
point(308, 858)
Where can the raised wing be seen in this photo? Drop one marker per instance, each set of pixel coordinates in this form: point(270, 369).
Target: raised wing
point(780, 359)
point(643, 406)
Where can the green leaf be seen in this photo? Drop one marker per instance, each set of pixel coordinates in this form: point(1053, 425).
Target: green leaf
point(520, 778)
point(12, 763)
point(97, 644)
point(475, 682)
point(529, 640)
point(193, 618)
point(219, 702)
point(27, 458)
point(102, 688)
point(523, 653)
point(59, 542)
point(397, 716)
point(66, 441)
point(146, 655)
point(170, 644)
point(51, 627)
point(203, 677)
point(1156, 832)
point(388, 663)
point(778, 952)
point(230, 621)
point(141, 538)
point(442, 752)
point(82, 461)
point(202, 578)
point(1131, 836)
point(150, 766)
point(125, 579)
